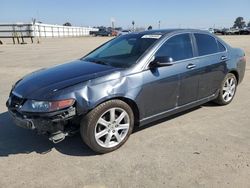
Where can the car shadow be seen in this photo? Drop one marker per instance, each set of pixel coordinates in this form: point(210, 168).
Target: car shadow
point(208, 104)
point(138, 128)
point(15, 140)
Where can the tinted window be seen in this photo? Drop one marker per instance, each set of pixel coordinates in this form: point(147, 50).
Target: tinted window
point(206, 44)
point(178, 47)
point(123, 51)
point(120, 48)
point(221, 47)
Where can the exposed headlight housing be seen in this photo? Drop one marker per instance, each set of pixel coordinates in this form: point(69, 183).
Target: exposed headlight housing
point(46, 106)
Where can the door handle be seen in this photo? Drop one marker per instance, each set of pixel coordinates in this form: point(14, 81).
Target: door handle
point(191, 66)
point(223, 58)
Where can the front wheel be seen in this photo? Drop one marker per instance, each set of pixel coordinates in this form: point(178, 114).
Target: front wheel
point(228, 90)
point(108, 126)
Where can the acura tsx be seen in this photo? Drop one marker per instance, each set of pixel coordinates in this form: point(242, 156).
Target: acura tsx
point(129, 81)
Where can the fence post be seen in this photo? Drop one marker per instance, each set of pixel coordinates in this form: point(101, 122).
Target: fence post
point(44, 31)
point(13, 38)
point(39, 31)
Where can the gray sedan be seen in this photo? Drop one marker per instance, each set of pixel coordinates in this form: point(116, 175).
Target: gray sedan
point(129, 81)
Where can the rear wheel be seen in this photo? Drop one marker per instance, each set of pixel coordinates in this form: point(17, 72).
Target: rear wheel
point(228, 90)
point(108, 126)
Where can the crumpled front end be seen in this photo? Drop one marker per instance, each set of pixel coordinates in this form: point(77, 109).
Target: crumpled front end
point(85, 94)
point(56, 124)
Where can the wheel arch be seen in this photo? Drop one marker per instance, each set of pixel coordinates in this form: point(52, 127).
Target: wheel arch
point(128, 101)
point(236, 74)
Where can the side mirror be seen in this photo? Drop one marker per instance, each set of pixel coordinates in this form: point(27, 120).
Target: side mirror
point(161, 61)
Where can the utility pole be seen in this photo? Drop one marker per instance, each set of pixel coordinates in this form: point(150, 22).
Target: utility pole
point(159, 24)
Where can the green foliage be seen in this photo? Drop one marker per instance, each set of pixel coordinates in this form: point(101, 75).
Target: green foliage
point(67, 24)
point(239, 23)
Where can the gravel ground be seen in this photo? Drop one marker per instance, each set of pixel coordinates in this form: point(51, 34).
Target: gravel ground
point(208, 146)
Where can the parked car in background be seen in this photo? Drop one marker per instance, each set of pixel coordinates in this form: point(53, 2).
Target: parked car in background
point(227, 31)
point(245, 31)
point(230, 31)
point(218, 31)
point(101, 32)
point(129, 81)
point(211, 30)
point(233, 31)
point(124, 32)
point(114, 33)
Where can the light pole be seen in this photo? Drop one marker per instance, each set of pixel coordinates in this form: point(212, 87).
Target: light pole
point(112, 23)
point(133, 23)
point(159, 24)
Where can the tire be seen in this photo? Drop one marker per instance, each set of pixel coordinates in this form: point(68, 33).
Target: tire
point(222, 98)
point(110, 134)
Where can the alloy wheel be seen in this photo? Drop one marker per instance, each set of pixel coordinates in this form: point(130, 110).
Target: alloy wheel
point(229, 89)
point(112, 127)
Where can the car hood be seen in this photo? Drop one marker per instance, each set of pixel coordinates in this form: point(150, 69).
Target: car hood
point(52, 79)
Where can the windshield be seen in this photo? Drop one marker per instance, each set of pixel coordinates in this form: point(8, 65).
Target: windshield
point(123, 51)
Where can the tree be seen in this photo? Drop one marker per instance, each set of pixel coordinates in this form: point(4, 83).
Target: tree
point(239, 22)
point(248, 25)
point(67, 24)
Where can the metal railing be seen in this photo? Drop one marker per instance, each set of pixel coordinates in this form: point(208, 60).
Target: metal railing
point(20, 31)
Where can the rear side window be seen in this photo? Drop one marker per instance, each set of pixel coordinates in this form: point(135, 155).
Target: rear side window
point(178, 47)
point(221, 47)
point(206, 44)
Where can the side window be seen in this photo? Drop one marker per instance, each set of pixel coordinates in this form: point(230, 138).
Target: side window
point(178, 47)
point(206, 44)
point(221, 47)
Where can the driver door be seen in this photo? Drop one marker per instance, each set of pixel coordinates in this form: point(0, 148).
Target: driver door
point(168, 87)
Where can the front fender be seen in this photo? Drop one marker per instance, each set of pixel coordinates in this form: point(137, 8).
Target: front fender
point(92, 94)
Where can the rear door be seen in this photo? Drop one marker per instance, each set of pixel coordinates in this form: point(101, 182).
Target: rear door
point(211, 60)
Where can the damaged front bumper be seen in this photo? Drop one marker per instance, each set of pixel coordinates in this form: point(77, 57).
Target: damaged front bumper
point(56, 124)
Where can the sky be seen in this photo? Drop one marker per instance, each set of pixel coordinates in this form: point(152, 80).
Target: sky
point(170, 13)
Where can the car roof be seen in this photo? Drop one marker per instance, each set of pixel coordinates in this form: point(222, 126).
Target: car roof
point(168, 31)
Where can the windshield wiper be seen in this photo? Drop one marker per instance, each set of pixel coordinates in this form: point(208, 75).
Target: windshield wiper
point(97, 61)
point(100, 62)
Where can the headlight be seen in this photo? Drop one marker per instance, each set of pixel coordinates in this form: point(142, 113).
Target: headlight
point(46, 106)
